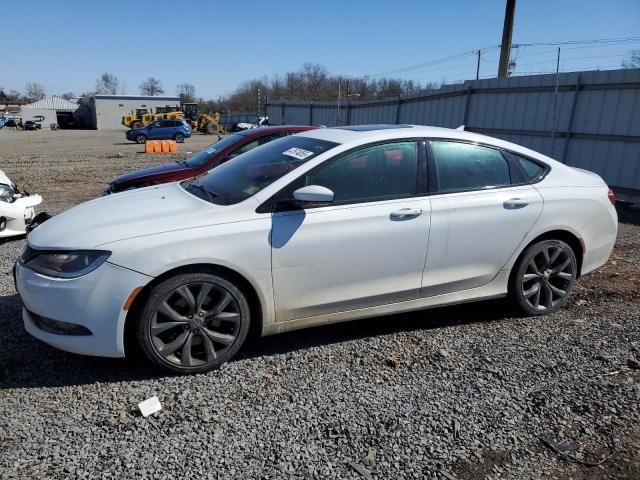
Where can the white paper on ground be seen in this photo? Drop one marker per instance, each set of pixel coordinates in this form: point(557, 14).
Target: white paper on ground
point(150, 406)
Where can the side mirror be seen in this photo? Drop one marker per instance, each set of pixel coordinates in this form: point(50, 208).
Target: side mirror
point(313, 194)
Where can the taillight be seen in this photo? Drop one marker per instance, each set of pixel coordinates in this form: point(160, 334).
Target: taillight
point(612, 197)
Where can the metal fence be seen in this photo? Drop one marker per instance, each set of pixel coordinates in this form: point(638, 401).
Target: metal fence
point(589, 119)
point(230, 120)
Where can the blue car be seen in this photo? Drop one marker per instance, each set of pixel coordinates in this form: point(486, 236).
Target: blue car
point(176, 130)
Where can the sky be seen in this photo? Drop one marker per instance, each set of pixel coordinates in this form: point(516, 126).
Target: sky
point(66, 45)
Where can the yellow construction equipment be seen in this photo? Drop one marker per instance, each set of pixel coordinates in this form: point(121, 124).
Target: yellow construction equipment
point(142, 116)
point(169, 113)
point(138, 119)
point(209, 123)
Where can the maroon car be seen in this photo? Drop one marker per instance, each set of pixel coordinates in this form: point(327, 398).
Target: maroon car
point(212, 156)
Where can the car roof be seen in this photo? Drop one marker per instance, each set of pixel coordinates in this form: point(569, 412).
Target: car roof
point(362, 134)
point(275, 129)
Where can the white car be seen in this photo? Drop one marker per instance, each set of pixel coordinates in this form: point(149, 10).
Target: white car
point(325, 226)
point(17, 210)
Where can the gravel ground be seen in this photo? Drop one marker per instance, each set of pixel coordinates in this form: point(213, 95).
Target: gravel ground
point(464, 392)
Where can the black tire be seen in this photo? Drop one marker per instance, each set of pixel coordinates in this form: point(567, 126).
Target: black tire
point(211, 128)
point(543, 277)
point(3, 224)
point(136, 125)
point(141, 138)
point(174, 334)
point(39, 219)
point(179, 137)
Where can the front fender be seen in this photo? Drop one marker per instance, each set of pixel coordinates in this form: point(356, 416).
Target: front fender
point(243, 247)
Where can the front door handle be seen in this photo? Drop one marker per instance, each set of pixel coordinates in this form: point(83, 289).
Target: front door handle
point(515, 203)
point(406, 213)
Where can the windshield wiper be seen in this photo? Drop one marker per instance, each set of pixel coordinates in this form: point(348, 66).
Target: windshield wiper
point(210, 195)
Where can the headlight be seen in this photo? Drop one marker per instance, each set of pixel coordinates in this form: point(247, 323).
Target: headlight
point(65, 264)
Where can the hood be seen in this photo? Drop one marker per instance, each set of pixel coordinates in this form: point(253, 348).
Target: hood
point(126, 215)
point(165, 168)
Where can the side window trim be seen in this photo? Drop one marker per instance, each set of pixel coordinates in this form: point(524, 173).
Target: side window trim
point(271, 205)
point(545, 168)
point(433, 177)
point(423, 177)
point(340, 157)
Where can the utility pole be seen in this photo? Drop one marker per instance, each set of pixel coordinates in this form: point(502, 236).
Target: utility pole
point(555, 102)
point(507, 33)
point(259, 100)
point(339, 85)
point(478, 67)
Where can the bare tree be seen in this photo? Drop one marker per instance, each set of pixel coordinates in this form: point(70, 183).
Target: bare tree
point(314, 76)
point(186, 92)
point(151, 87)
point(13, 96)
point(34, 91)
point(123, 88)
point(67, 95)
point(314, 83)
point(245, 97)
point(633, 60)
point(107, 84)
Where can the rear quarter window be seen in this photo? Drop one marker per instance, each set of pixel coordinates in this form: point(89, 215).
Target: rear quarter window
point(530, 169)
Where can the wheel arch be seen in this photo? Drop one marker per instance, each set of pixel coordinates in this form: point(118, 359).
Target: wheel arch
point(255, 305)
point(566, 236)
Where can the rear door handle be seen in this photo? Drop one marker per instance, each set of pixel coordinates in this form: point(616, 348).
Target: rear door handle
point(515, 203)
point(407, 213)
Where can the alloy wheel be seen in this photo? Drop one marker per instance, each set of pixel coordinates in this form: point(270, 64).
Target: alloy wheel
point(548, 277)
point(195, 324)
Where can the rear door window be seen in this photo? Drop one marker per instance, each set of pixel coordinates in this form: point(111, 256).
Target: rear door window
point(463, 166)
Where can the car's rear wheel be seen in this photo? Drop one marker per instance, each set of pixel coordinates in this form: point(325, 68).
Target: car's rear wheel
point(179, 137)
point(141, 138)
point(543, 277)
point(193, 323)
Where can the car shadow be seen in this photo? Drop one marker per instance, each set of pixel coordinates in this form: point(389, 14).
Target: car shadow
point(14, 238)
point(25, 362)
point(428, 319)
point(628, 213)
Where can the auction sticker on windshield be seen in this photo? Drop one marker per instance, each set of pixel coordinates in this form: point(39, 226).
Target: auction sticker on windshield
point(298, 153)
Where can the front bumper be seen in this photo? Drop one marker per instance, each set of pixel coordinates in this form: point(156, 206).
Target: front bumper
point(94, 301)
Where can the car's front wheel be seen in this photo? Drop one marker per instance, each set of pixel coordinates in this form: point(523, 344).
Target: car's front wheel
point(179, 137)
point(193, 323)
point(543, 277)
point(141, 138)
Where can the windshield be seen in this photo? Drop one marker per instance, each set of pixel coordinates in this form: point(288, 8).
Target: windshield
point(246, 175)
point(203, 156)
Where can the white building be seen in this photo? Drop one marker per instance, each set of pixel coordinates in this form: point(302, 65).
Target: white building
point(106, 111)
point(53, 110)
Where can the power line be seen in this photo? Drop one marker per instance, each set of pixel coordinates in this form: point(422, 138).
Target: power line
point(565, 59)
point(573, 44)
point(601, 41)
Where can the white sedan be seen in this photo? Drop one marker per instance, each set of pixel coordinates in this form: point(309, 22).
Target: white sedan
point(325, 226)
